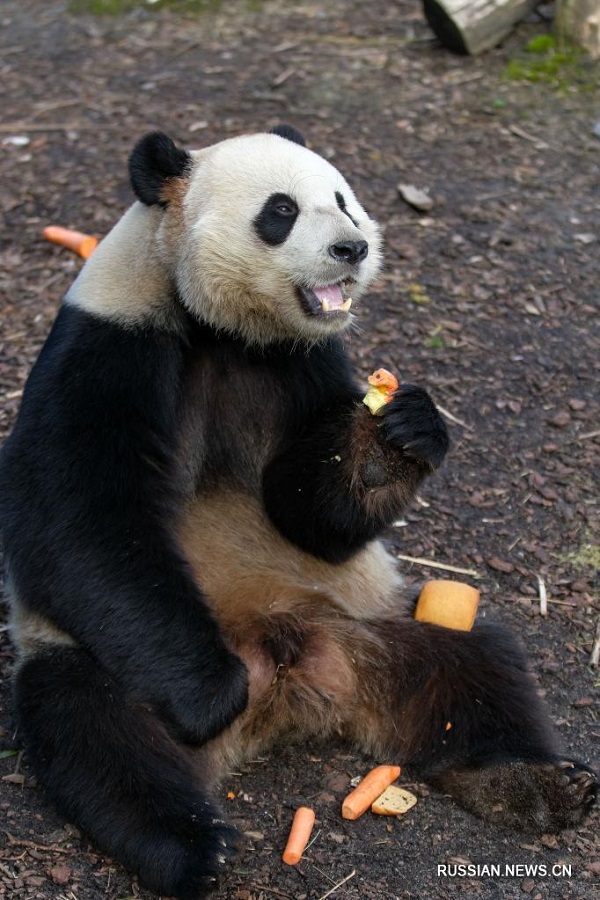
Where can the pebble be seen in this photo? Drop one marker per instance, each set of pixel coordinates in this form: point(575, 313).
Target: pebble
point(560, 419)
point(60, 874)
point(415, 197)
point(500, 565)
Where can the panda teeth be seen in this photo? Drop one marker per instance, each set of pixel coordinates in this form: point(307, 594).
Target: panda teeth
point(343, 307)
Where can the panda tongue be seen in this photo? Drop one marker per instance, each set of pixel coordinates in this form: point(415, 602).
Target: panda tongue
point(331, 293)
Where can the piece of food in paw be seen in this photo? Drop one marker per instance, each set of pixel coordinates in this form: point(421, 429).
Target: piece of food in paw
point(395, 801)
point(383, 387)
point(452, 604)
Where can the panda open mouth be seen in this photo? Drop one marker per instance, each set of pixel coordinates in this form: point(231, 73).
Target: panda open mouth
point(327, 300)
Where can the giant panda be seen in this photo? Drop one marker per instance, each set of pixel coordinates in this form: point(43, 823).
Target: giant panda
point(193, 499)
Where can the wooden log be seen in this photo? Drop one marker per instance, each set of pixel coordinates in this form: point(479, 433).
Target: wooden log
point(472, 26)
point(579, 21)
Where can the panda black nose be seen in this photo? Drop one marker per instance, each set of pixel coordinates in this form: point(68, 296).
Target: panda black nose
point(349, 251)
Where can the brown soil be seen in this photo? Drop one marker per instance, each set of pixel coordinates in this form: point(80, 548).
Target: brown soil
point(490, 300)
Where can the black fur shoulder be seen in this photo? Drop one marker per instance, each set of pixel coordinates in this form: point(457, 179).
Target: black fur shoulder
point(88, 488)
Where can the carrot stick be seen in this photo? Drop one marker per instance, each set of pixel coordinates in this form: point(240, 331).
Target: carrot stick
point(84, 244)
point(369, 789)
point(304, 820)
point(384, 379)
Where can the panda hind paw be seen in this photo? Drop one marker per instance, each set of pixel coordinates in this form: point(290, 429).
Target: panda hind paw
point(571, 789)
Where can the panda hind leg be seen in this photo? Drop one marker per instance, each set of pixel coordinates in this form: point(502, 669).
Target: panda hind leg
point(461, 711)
point(111, 768)
point(524, 795)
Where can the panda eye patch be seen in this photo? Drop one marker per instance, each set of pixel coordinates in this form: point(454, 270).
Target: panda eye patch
point(341, 202)
point(276, 219)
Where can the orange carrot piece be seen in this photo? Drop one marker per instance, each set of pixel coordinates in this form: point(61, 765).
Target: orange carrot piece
point(368, 790)
point(83, 244)
point(302, 825)
point(452, 604)
point(385, 380)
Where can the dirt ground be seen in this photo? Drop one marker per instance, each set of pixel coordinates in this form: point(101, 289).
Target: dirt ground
point(489, 299)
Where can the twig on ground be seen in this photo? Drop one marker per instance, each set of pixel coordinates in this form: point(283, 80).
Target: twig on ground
point(543, 595)
point(32, 845)
point(420, 561)
point(270, 890)
point(454, 418)
point(595, 654)
point(577, 438)
point(338, 885)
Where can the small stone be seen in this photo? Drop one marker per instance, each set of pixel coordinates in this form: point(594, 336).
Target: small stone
point(60, 874)
point(338, 782)
point(336, 837)
point(561, 419)
point(580, 586)
point(500, 565)
point(14, 778)
point(528, 885)
point(254, 835)
point(16, 140)
point(550, 841)
point(583, 702)
point(415, 197)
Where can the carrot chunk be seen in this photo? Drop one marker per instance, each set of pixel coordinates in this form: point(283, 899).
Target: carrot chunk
point(383, 387)
point(302, 826)
point(452, 604)
point(369, 789)
point(83, 244)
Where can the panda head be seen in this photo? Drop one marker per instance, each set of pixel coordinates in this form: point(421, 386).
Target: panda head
point(263, 237)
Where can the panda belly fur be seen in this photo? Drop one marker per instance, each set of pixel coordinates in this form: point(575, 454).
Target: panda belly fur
point(192, 503)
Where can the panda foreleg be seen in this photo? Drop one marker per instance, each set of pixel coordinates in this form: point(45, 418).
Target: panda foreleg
point(348, 474)
point(461, 711)
point(112, 769)
point(86, 520)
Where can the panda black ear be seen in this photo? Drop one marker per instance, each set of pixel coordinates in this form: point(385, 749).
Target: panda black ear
point(289, 133)
point(154, 159)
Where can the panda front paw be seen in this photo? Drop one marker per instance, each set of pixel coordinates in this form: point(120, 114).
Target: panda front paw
point(413, 425)
point(202, 704)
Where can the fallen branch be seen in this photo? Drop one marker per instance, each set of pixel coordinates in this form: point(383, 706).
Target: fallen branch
point(562, 602)
point(454, 419)
point(31, 845)
point(270, 890)
point(525, 136)
point(543, 595)
point(339, 884)
point(595, 654)
point(419, 560)
point(472, 26)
